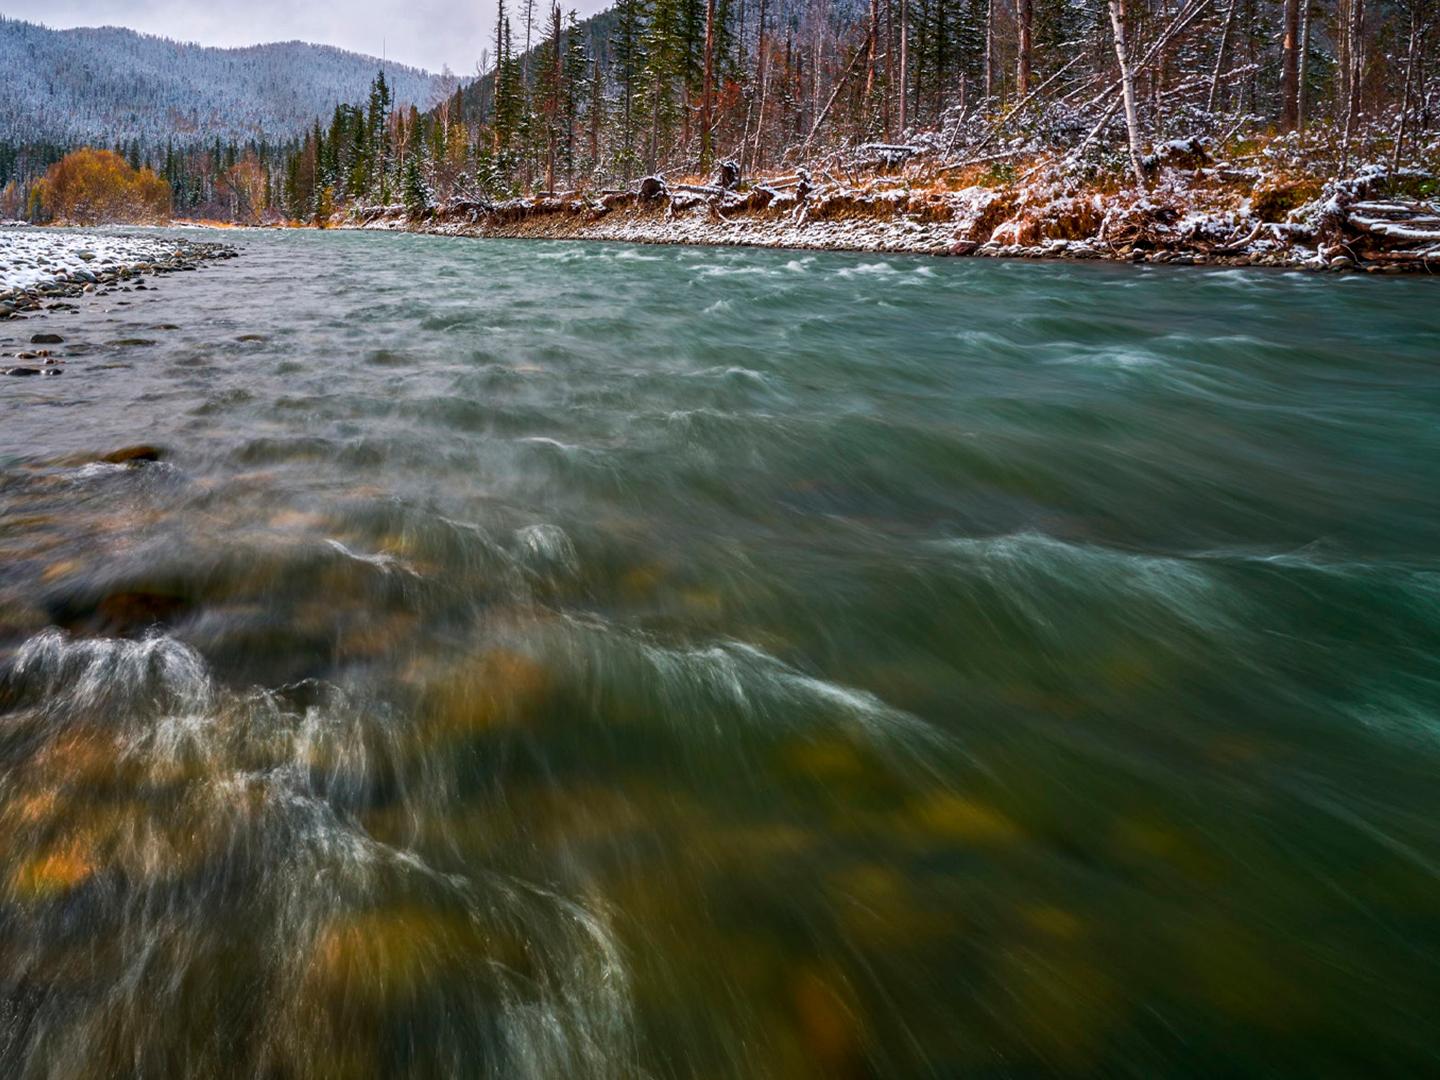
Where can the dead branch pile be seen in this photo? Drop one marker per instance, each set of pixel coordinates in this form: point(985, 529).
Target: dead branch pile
point(1356, 222)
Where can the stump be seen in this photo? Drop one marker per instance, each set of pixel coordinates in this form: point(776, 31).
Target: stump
point(727, 176)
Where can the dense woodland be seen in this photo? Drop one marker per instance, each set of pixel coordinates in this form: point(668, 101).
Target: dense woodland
point(673, 86)
point(676, 86)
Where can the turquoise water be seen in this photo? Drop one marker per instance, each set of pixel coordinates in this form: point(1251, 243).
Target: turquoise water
point(577, 660)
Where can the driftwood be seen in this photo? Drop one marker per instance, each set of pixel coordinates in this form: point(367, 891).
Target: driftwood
point(1353, 226)
point(884, 156)
point(698, 189)
point(682, 202)
point(1230, 247)
point(1395, 232)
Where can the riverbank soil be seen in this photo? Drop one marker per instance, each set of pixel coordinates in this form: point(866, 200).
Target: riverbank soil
point(1196, 209)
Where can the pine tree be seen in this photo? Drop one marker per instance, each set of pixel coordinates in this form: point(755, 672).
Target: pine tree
point(415, 190)
point(629, 63)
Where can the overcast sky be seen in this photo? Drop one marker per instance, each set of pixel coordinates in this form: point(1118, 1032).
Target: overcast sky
point(425, 33)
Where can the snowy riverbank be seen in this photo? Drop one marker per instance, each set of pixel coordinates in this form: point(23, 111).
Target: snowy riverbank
point(40, 266)
point(1190, 217)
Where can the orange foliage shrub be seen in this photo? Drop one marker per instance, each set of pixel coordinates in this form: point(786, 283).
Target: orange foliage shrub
point(12, 204)
point(89, 187)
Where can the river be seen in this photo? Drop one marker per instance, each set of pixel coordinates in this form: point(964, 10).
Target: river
point(545, 660)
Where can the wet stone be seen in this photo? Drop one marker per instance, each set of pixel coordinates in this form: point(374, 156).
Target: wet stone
point(47, 339)
point(133, 455)
point(119, 614)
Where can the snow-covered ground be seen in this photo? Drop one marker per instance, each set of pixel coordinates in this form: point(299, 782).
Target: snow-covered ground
point(31, 257)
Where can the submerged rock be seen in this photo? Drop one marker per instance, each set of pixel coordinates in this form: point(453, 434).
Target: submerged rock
point(133, 455)
point(126, 613)
point(47, 339)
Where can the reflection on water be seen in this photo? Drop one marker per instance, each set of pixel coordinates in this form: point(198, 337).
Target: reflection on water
point(544, 660)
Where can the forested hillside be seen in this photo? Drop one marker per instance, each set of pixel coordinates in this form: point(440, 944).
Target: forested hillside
point(110, 85)
point(1099, 85)
point(1079, 95)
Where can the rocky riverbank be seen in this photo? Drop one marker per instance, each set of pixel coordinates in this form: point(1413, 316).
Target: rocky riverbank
point(1197, 213)
point(40, 269)
point(43, 270)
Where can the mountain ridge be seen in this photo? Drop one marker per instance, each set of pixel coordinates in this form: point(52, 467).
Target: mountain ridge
point(111, 85)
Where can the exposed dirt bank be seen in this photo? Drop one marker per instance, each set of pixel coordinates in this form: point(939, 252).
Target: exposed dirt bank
point(1375, 221)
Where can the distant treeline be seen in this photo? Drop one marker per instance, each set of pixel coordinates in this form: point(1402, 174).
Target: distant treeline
point(676, 85)
point(227, 182)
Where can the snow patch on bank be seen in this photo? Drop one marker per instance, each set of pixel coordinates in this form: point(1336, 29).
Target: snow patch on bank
point(34, 257)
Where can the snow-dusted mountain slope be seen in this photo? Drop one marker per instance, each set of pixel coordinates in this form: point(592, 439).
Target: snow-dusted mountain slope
point(110, 85)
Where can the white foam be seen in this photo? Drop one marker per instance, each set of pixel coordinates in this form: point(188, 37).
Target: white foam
point(388, 563)
point(548, 545)
point(869, 269)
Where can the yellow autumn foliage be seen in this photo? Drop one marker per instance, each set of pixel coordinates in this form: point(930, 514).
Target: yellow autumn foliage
point(92, 187)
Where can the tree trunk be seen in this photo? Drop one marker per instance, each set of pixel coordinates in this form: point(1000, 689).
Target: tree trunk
point(1302, 66)
point(654, 162)
point(1290, 68)
point(1355, 50)
point(1127, 84)
point(557, 90)
point(1220, 56)
point(891, 51)
point(904, 63)
point(597, 100)
point(989, 49)
point(1025, 17)
point(762, 77)
point(872, 50)
point(707, 96)
point(1405, 96)
point(830, 102)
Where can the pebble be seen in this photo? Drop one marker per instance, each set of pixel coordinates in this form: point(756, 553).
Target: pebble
point(75, 282)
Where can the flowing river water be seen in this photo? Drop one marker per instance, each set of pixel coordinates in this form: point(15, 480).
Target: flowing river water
point(546, 660)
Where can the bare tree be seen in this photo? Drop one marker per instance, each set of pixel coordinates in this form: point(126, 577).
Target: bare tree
point(707, 95)
point(1290, 68)
point(904, 62)
point(1024, 19)
point(1127, 84)
point(1355, 55)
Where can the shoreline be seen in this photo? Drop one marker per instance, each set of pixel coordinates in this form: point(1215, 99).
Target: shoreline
point(857, 236)
point(55, 265)
point(1350, 225)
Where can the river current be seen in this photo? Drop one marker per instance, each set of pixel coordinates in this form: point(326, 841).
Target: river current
point(570, 660)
